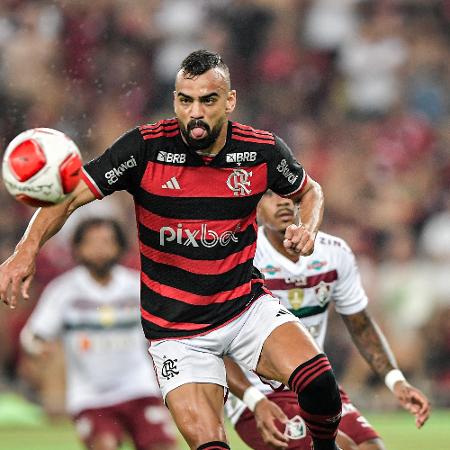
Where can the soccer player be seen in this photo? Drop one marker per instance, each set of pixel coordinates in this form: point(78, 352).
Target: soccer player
point(196, 182)
point(111, 387)
point(307, 286)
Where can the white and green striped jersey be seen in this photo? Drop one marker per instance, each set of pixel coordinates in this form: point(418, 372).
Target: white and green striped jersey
point(308, 288)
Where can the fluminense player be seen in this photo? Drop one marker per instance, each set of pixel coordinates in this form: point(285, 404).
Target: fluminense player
point(307, 286)
point(111, 389)
point(196, 181)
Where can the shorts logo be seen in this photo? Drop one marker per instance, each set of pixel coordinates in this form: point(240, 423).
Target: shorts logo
point(295, 428)
point(113, 175)
point(187, 237)
point(281, 312)
point(283, 168)
point(178, 158)
point(169, 368)
point(239, 182)
point(241, 157)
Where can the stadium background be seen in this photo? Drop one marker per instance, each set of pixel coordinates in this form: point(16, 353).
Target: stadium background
point(358, 89)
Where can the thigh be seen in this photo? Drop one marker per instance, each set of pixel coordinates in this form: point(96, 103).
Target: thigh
point(356, 426)
point(93, 425)
point(258, 323)
point(181, 362)
point(197, 409)
point(149, 423)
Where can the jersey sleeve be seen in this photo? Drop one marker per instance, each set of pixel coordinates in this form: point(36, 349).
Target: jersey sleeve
point(118, 168)
point(349, 295)
point(285, 174)
point(46, 320)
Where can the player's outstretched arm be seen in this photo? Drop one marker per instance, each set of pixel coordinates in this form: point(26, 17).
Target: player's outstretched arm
point(300, 237)
point(266, 412)
point(16, 273)
point(375, 349)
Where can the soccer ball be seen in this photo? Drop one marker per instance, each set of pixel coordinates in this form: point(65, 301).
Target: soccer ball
point(41, 167)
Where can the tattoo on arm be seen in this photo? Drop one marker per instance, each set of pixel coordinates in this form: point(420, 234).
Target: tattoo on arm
point(371, 342)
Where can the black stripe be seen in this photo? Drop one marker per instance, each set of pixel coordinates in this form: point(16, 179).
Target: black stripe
point(302, 366)
point(198, 208)
point(152, 239)
point(176, 311)
point(268, 139)
point(194, 283)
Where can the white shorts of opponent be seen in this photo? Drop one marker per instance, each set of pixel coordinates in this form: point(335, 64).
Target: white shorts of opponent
point(199, 359)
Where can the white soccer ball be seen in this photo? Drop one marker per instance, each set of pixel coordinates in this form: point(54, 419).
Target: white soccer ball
point(41, 167)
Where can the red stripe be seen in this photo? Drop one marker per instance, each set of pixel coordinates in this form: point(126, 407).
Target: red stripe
point(252, 134)
point(92, 187)
point(256, 141)
point(306, 371)
point(304, 383)
point(172, 325)
point(279, 284)
point(160, 128)
point(196, 299)
point(195, 181)
point(161, 134)
point(200, 267)
point(240, 126)
point(155, 222)
point(152, 126)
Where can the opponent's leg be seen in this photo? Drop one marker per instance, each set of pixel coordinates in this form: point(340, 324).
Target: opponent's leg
point(291, 356)
point(197, 409)
point(373, 444)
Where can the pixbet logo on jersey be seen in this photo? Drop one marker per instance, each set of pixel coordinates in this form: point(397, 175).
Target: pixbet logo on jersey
point(283, 168)
point(113, 175)
point(185, 236)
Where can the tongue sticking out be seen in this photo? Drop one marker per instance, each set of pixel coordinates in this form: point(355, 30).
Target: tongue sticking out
point(198, 132)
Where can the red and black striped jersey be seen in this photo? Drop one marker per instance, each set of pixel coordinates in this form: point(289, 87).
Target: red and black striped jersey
point(196, 219)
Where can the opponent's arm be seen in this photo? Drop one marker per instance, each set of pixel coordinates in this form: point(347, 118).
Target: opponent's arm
point(266, 412)
point(16, 273)
point(309, 202)
point(375, 349)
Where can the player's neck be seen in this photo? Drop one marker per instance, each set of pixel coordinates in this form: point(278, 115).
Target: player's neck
point(101, 278)
point(276, 240)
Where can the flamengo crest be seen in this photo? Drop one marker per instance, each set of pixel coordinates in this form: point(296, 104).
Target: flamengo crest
point(239, 182)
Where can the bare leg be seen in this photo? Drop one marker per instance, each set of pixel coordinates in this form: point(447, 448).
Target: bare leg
point(373, 444)
point(104, 441)
point(197, 409)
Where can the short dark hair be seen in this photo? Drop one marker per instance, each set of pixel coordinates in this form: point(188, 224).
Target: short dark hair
point(85, 225)
point(200, 61)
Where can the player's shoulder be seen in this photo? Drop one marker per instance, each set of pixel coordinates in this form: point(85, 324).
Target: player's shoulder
point(329, 243)
point(67, 280)
point(251, 137)
point(163, 129)
point(126, 274)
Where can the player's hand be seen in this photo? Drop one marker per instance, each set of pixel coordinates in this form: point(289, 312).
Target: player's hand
point(413, 400)
point(267, 413)
point(299, 240)
point(16, 274)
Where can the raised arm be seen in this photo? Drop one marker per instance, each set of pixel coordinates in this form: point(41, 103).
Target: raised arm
point(375, 349)
point(17, 272)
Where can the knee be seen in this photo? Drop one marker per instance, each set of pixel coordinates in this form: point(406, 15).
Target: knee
point(104, 442)
point(316, 386)
point(373, 444)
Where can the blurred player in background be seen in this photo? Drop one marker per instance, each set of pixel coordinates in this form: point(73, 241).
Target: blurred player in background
point(196, 181)
point(111, 389)
point(307, 286)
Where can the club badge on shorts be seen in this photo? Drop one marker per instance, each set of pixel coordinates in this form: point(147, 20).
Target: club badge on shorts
point(295, 428)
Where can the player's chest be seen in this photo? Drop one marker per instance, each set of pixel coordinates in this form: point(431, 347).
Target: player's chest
point(181, 179)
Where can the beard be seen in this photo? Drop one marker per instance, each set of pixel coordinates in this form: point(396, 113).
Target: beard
point(205, 142)
point(100, 269)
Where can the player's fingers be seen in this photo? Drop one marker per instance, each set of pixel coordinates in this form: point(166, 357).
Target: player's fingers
point(275, 439)
point(290, 230)
point(15, 290)
point(26, 286)
point(279, 414)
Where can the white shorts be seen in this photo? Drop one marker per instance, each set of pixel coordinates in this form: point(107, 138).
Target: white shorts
point(199, 359)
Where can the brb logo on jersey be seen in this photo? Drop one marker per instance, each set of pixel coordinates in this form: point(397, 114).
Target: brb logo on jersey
point(239, 182)
point(185, 236)
point(178, 158)
point(241, 157)
point(113, 175)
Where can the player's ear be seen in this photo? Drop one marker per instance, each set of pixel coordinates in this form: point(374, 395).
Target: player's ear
point(231, 101)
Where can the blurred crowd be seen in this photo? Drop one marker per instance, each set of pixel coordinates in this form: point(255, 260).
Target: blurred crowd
point(359, 89)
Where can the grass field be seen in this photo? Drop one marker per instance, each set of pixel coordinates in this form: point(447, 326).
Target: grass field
point(397, 430)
